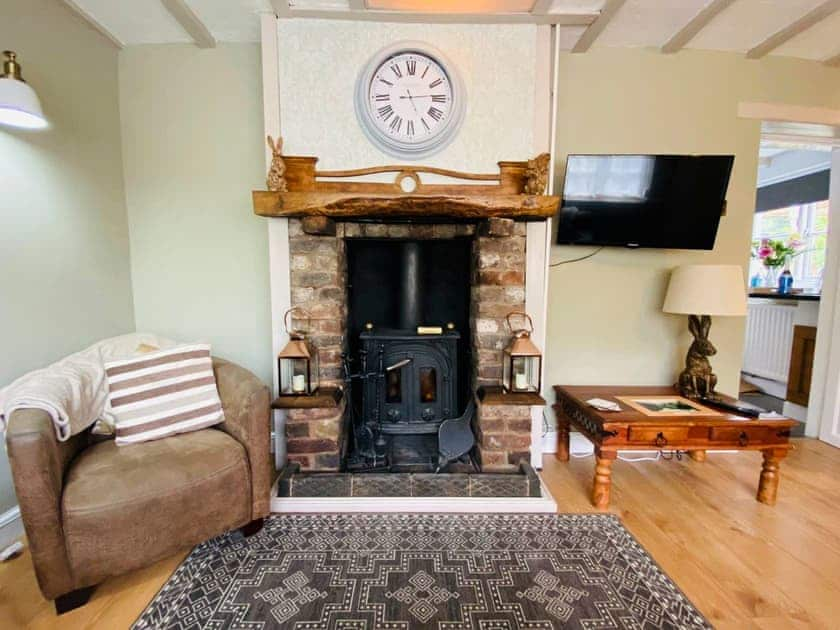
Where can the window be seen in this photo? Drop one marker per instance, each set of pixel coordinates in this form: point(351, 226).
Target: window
point(809, 222)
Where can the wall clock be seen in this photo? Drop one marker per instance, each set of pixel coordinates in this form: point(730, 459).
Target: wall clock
point(410, 100)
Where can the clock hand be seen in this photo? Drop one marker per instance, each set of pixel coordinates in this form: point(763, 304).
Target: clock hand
point(411, 100)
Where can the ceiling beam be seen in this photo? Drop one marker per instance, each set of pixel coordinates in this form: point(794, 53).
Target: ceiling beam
point(96, 24)
point(281, 8)
point(541, 7)
point(190, 22)
point(357, 5)
point(695, 25)
point(597, 27)
point(371, 15)
point(816, 15)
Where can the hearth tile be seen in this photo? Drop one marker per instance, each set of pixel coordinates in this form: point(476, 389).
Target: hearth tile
point(385, 485)
point(284, 479)
point(320, 485)
point(534, 485)
point(498, 485)
point(445, 485)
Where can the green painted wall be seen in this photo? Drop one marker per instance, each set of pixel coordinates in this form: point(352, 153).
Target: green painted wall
point(192, 125)
point(640, 101)
point(64, 251)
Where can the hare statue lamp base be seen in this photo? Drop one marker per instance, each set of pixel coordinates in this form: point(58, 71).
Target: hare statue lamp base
point(697, 379)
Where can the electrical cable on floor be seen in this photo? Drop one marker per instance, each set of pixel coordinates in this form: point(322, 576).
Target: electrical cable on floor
point(645, 458)
point(574, 260)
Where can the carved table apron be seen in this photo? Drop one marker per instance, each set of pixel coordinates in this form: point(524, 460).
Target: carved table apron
point(629, 429)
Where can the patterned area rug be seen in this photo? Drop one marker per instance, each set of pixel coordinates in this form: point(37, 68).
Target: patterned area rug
point(405, 572)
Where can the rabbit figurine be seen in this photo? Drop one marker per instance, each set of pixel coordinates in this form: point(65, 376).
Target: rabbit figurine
point(697, 379)
point(277, 173)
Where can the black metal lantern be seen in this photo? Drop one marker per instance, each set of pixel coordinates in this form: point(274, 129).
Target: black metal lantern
point(522, 361)
point(297, 363)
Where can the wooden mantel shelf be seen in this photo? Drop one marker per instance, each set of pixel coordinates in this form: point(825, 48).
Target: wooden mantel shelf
point(510, 193)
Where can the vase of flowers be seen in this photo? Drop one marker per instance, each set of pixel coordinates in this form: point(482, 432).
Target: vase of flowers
point(775, 255)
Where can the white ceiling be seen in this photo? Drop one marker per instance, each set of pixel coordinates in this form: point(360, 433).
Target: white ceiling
point(638, 23)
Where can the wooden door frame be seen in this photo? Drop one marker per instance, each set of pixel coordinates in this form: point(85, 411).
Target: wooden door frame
point(824, 402)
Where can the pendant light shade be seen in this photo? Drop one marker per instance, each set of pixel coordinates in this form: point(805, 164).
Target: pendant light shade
point(19, 104)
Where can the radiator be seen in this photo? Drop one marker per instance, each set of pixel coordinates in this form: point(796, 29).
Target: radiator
point(769, 339)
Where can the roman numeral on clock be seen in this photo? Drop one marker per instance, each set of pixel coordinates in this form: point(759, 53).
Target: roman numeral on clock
point(409, 128)
point(386, 82)
point(411, 66)
point(425, 124)
point(438, 98)
point(395, 124)
point(396, 70)
point(385, 112)
point(435, 113)
point(435, 83)
point(383, 97)
point(423, 76)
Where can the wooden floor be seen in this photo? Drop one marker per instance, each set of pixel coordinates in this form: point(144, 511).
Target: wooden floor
point(744, 564)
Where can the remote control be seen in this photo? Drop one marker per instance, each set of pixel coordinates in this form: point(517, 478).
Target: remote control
point(738, 407)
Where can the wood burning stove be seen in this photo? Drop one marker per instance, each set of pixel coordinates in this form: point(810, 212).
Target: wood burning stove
point(414, 387)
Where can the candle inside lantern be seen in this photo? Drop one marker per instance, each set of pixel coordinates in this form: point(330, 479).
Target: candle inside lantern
point(519, 381)
point(298, 383)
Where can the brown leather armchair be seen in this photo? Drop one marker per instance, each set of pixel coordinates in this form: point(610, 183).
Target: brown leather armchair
point(96, 510)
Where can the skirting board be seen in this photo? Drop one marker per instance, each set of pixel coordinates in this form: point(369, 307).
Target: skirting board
point(11, 527)
point(454, 505)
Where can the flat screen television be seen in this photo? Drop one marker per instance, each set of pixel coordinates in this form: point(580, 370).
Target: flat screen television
point(661, 201)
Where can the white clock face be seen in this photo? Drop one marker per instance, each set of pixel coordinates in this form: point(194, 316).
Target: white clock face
point(409, 100)
point(410, 96)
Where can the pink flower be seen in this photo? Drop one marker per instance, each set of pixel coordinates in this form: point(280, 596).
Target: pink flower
point(764, 251)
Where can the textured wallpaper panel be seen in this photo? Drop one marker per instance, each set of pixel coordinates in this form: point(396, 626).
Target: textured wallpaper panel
point(320, 61)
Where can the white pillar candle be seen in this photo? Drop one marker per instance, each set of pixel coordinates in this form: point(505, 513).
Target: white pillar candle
point(298, 383)
point(520, 382)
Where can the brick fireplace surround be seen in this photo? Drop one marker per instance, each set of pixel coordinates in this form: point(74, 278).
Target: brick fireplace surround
point(319, 285)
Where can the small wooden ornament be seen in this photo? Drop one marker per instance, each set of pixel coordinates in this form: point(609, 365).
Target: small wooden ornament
point(277, 173)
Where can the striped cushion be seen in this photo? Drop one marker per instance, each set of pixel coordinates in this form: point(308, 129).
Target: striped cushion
point(163, 393)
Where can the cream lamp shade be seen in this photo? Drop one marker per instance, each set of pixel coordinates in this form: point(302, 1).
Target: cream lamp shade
point(19, 105)
point(707, 290)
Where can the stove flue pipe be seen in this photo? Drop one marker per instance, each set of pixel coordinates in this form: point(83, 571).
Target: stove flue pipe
point(412, 286)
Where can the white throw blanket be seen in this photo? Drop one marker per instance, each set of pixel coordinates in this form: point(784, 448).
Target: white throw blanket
point(74, 390)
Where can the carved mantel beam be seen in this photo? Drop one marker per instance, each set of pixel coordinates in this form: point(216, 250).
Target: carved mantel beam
point(515, 192)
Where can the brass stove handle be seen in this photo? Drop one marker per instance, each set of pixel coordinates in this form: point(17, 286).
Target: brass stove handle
point(743, 439)
point(661, 440)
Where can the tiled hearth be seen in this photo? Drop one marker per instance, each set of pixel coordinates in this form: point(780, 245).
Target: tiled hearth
point(317, 438)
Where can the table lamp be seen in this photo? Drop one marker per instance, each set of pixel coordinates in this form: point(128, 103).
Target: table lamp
point(701, 291)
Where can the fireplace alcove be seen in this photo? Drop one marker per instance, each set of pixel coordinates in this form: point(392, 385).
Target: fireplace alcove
point(370, 252)
point(414, 381)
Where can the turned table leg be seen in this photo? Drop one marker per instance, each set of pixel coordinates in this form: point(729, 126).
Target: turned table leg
point(697, 456)
point(602, 482)
point(768, 484)
point(562, 439)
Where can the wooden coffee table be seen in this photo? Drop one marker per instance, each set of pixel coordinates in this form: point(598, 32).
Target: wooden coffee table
point(629, 429)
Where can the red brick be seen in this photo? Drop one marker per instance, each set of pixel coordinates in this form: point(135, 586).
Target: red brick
point(505, 442)
point(519, 426)
point(502, 278)
point(309, 445)
point(303, 460)
point(297, 429)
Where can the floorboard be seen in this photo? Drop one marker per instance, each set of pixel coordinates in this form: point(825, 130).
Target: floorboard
point(744, 564)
